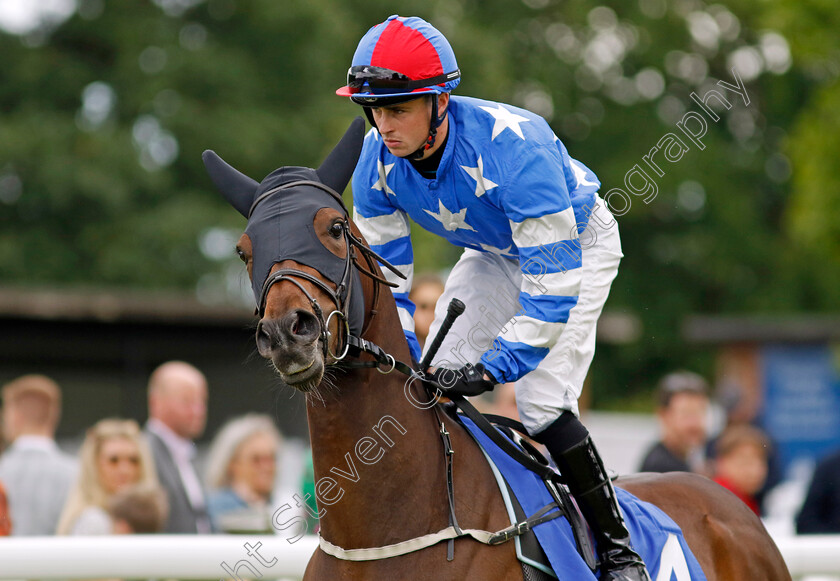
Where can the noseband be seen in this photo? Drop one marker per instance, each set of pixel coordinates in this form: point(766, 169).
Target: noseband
point(344, 288)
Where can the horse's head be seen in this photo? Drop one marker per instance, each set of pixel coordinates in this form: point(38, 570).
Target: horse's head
point(299, 251)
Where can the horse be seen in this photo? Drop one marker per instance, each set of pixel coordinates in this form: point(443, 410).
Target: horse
point(386, 458)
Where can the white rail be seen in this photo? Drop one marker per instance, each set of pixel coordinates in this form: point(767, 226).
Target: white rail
point(811, 554)
point(154, 556)
point(249, 557)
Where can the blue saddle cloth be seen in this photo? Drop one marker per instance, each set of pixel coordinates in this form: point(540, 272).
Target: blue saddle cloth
point(654, 535)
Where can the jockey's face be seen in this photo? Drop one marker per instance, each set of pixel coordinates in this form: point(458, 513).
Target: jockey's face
point(405, 127)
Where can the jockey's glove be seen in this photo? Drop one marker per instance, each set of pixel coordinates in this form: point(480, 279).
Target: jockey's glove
point(467, 381)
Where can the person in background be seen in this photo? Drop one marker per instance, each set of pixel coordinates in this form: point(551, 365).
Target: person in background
point(138, 509)
point(683, 404)
point(36, 474)
point(740, 463)
point(241, 472)
point(5, 519)
point(114, 456)
point(3, 443)
point(739, 408)
point(177, 415)
point(425, 292)
point(820, 513)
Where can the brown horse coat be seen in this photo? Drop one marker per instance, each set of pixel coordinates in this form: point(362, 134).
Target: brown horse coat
point(378, 457)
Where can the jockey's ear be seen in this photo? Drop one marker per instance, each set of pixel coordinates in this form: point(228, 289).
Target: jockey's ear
point(337, 169)
point(236, 187)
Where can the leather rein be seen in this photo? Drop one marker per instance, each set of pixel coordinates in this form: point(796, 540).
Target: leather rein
point(352, 346)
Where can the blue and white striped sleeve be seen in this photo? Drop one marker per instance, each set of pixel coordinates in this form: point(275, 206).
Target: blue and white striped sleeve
point(544, 229)
point(386, 229)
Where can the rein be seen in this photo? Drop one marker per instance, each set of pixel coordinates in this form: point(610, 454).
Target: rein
point(353, 346)
point(528, 458)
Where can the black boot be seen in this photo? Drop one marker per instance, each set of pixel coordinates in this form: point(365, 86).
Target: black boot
point(583, 472)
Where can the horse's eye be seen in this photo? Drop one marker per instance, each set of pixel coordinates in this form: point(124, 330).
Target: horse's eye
point(337, 229)
point(242, 256)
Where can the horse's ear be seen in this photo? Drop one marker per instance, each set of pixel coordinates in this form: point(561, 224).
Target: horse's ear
point(236, 187)
point(337, 169)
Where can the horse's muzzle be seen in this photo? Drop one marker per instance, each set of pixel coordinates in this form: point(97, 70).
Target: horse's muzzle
point(291, 343)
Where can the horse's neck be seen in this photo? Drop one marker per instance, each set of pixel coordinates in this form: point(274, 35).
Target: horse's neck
point(377, 456)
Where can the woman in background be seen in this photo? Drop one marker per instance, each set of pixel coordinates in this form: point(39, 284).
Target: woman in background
point(113, 457)
point(241, 471)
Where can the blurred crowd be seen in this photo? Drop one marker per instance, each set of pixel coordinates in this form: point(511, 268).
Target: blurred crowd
point(740, 456)
point(128, 479)
point(131, 479)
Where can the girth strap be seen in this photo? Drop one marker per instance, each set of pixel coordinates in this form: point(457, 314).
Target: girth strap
point(545, 514)
point(404, 547)
point(450, 533)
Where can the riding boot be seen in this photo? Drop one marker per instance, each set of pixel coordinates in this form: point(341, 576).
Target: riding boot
point(583, 472)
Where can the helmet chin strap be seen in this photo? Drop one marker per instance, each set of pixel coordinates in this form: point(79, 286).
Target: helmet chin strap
point(434, 123)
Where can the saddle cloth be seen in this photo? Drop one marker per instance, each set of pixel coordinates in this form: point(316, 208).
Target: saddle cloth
point(654, 535)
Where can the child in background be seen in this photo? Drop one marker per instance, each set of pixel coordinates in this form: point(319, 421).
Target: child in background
point(140, 509)
point(741, 462)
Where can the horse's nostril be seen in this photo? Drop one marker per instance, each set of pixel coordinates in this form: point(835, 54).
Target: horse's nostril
point(264, 341)
point(304, 325)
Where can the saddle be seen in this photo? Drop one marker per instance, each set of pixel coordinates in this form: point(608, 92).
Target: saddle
point(536, 563)
point(562, 547)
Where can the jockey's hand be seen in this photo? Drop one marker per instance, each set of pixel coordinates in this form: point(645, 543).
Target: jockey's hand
point(468, 381)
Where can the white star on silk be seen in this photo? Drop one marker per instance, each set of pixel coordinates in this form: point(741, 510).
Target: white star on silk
point(580, 174)
point(494, 250)
point(450, 221)
point(505, 120)
point(482, 184)
point(382, 182)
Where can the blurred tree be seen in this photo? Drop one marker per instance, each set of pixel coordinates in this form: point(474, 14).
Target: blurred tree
point(708, 235)
point(813, 144)
point(103, 118)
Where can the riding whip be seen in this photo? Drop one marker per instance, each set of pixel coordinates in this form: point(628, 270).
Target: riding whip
point(453, 311)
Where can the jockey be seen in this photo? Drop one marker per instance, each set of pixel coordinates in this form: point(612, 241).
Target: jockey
point(540, 247)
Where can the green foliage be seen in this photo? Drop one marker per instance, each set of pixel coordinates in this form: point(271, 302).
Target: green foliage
point(812, 220)
point(813, 209)
point(103, 121)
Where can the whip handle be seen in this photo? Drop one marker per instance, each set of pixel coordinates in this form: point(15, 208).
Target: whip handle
point(453, 311)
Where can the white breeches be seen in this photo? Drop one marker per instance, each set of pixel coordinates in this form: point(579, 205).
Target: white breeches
point(489, 286)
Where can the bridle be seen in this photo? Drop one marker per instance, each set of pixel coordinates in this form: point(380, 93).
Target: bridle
point(354, 345)
point(340, 296)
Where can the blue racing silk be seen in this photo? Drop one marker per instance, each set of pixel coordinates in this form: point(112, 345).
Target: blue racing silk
point(506, 185)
